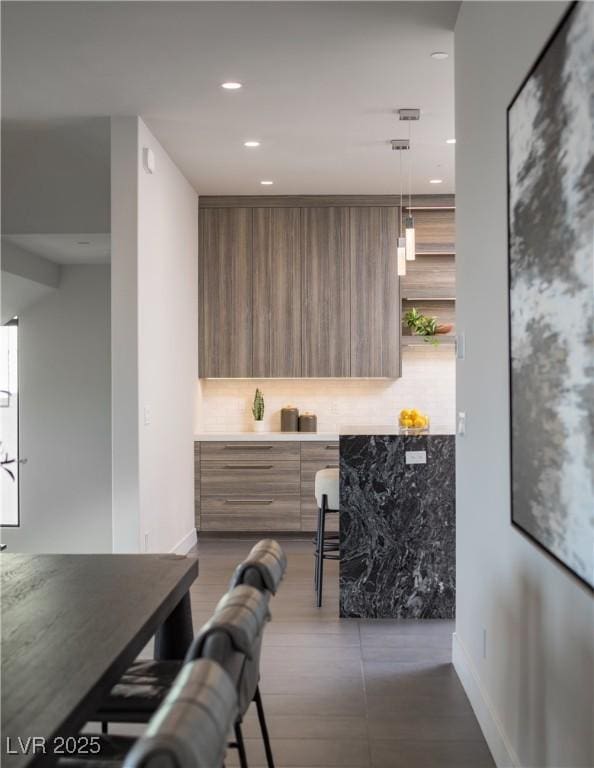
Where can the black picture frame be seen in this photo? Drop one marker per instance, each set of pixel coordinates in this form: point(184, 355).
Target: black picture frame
point(565, 20)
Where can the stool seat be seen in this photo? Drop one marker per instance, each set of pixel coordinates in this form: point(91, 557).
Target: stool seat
point(327, 484)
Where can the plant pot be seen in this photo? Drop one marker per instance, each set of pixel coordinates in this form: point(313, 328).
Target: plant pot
point(258, 426)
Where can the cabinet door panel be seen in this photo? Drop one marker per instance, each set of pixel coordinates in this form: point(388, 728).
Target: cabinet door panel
point(276, 292)
point(277, 513)
point(326, 292)
point(225, 260)
point(375, 298)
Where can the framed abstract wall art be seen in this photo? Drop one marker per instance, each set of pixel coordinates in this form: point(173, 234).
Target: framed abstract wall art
point(550, 138)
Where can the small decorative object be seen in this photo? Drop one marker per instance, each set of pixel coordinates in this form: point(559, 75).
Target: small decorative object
point(421, 325)
point(551, 303)
point(444, 328)
point(413, 422)
point(289, 419)
point(308, 422)
point(258, 411)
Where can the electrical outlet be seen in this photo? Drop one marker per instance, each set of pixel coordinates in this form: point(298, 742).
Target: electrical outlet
point(484, 643)
point(146, 541)
point(461, 426)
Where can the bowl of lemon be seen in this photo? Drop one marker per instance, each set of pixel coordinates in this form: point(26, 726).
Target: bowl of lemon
point(413, 422)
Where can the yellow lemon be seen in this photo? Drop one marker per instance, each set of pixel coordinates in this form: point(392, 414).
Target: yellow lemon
point(419, 422)
point(404, 414)
point(414, 414)
point(407, 423)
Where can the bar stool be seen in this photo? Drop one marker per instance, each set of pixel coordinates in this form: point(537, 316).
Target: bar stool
point(327, 492)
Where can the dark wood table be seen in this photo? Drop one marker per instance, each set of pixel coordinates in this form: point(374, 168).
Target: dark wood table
point(71, 624)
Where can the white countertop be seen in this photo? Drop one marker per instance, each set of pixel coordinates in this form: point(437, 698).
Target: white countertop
point(379, 430)
point(265, 436)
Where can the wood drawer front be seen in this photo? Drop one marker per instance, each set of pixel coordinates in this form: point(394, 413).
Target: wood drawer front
point(309, 516)
point(322, 452)
point(247, 513)
point(197, 485)
point(278, 450)
point(308, 475)
point(243, 478)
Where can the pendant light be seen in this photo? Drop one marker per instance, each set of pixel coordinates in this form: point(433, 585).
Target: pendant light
point(409, 223)
point(401, 250)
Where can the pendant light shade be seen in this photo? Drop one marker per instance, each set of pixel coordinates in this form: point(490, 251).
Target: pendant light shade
point(409, 232)
point(401, 256)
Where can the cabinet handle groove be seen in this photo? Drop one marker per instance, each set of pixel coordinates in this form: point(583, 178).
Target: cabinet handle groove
point(249, 501)
point(248, 466)
point(331, 466)
point(331, 447)
point(241, 447)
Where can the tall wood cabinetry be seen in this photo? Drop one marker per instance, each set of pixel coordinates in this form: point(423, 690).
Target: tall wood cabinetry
point(303, 290)
point(276, 292)
point(225, 292)
point(375, 297)
point(326, 302)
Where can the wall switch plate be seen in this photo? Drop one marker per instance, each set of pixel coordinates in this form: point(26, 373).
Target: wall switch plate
point(147, 416)
point(416, 457)
point(460, 345)
point(461, 425)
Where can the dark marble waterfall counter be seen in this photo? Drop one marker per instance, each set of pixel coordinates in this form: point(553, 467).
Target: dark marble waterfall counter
point(397, 527)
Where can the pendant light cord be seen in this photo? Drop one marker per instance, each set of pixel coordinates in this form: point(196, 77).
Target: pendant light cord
point(400, 174)
point(409, 167)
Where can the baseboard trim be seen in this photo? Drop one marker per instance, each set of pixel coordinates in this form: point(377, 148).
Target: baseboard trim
point(184, 545)
point(492, 729)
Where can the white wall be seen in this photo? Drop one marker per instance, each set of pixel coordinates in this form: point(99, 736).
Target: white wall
point(428, 384)
point(155, 298)
point(64, 390)
point(55, 176)
point(534, 691)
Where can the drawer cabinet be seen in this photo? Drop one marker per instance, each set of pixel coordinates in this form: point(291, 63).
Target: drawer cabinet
point(239, 478)
point(276, 513)
point(248, 451)
point(260, 486)
point(197, 485)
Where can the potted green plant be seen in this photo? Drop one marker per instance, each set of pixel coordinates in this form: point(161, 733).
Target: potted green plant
point(258, 411)
point(422, 325)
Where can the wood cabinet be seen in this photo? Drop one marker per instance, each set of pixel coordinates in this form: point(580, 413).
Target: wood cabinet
point(276, 265)
point(225, 306)
point(305, 287)
point(250, 486)
point(257, 486)
point(375, 292)
point(326, 316)
point(197, 485)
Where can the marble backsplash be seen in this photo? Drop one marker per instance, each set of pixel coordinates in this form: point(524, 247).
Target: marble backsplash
point(427, 383)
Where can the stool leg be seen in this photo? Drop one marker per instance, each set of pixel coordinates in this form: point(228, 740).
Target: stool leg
point(264, 728)
point(317, 549)
point(240, 746)
point(321, 550)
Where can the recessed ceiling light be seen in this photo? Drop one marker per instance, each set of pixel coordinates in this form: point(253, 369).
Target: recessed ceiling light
point(251, 143)
point(439, 55)
point(435, 181)
point(83, 242)
point(231, 85)
point(267, 183)
point(450, 141)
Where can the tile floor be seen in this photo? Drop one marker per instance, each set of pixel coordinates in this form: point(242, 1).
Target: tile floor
point(347, 692)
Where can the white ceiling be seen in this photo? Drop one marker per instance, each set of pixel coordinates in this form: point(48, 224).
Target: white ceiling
point(65, 248)
point(321, 80)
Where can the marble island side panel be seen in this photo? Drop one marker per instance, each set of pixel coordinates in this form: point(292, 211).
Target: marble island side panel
point(397, 527)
